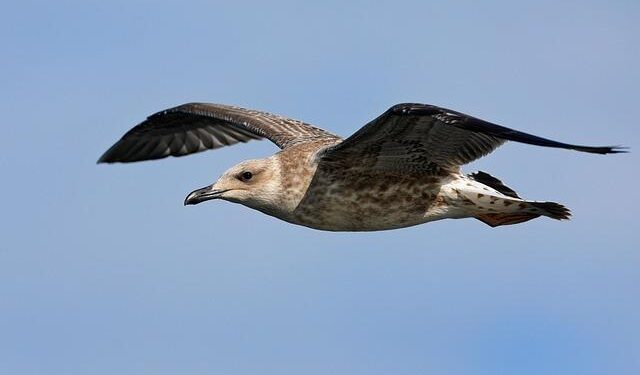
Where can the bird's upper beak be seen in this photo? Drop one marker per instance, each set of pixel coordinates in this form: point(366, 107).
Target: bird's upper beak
point(204, 194)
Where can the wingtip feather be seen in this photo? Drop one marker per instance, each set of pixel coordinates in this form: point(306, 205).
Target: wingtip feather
point(603, 150)
point(618, 149)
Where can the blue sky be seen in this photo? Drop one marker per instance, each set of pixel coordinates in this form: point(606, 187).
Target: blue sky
point(103, 271)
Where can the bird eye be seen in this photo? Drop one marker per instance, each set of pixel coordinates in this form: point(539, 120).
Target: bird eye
point(246, 176)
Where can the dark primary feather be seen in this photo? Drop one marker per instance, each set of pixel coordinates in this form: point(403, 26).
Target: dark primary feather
point(489, 180)
point(421, 138)
point(196, 127)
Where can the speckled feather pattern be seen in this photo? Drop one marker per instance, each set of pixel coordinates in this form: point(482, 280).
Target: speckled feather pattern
point(400, 169)
point(340, 198)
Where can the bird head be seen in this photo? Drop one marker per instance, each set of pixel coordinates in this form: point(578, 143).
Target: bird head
point(253, 183)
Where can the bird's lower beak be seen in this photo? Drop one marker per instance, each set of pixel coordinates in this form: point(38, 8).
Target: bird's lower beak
point(204, 194)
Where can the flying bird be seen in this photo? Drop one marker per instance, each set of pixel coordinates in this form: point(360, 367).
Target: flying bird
point(400, 169)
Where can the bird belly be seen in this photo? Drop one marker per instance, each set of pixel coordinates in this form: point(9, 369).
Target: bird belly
point(376, 204)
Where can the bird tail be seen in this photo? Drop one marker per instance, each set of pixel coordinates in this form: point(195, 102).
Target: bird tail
point(496, 204)
point(526, 210)
point(552, 209)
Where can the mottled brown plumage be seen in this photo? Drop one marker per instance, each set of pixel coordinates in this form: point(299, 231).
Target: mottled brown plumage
point(401, 169)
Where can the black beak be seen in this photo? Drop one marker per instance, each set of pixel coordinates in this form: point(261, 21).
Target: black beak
point(204, 194)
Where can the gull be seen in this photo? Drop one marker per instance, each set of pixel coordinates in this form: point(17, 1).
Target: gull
point(399, 170)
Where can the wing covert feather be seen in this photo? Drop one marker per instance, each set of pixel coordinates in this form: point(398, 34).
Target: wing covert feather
point(421, 138)
point(195, 127)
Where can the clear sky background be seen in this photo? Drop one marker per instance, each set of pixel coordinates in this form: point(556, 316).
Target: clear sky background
point(103, 271)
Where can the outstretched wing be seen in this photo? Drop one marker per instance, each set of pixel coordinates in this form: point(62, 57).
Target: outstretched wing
point(196, 127)
point(420, 137)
